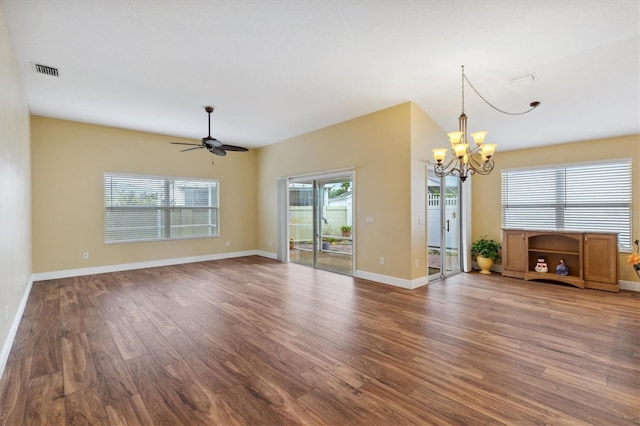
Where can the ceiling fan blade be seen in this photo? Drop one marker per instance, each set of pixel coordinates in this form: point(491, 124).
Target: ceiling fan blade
point(233, 148)
point(191, 149)
point(182, 143)
point(218, 151)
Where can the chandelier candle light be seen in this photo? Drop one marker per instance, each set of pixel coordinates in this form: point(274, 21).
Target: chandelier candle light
point(467, 160)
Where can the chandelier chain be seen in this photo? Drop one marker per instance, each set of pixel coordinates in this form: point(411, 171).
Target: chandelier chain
point(464, 77)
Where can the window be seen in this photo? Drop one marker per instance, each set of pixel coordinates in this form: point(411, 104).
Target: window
point(146, 208)
point(578, 197)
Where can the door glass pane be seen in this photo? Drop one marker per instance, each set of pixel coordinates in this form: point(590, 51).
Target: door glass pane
point(335, 204)
point(443, 225)
point(434, 226)
point(301, 249)
point(452, 223)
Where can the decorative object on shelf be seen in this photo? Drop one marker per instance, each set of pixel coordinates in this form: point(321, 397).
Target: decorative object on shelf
point(291, 244)
point(634, 258)
point(541, 266)
point(346, 230)
point(486, 253)
point(562, 268)
point(465, 160)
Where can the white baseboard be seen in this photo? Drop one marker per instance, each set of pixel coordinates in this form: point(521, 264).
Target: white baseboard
point(629, 285)
point(394, 281)
point(379, 278)
point(6, 347)
point(138, 265)
point(268, 254)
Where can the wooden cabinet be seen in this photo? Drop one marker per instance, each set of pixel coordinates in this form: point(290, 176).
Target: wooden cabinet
point(599, 271)
point(592, 258)
point(514, 262)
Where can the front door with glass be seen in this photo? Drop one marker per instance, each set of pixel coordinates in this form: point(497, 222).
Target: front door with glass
point(443, 230)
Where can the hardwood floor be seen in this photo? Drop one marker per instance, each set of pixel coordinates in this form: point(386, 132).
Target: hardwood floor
point(252, 341)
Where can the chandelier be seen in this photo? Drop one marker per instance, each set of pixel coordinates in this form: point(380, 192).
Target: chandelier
point(465, 159)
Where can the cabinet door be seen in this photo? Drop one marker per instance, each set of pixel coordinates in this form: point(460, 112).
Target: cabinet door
point(513, 251)
point(601, 258)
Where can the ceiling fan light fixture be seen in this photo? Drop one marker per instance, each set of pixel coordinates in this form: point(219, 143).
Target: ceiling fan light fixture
point(210, 143)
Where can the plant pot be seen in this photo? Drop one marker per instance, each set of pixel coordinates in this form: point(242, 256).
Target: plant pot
point(291, 244)
point(325, 246)
point(485, 264)
point(346, 234)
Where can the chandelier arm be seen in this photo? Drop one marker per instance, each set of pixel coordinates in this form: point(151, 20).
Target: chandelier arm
point(447, 169)
point(450, 168)
point(477, 164)
point(533, 105)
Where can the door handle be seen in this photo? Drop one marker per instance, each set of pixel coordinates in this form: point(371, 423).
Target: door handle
point(447, 225)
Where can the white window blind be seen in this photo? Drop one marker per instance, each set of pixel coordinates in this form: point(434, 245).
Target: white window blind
point(576, 197)
point(147, 208)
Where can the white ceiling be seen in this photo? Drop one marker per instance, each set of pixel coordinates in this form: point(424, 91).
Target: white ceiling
point(274, 69)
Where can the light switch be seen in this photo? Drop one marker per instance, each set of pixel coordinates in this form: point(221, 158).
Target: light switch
point(369, 219)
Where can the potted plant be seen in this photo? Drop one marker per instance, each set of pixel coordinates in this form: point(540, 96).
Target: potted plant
point(346, 230)
point(634, 258)
point(486, 252)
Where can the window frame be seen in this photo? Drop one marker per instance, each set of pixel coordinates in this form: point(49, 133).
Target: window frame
point(166, 206)
point(559, 203)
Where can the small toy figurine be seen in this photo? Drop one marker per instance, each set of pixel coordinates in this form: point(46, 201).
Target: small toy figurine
point(541, 266)
point(562, 268)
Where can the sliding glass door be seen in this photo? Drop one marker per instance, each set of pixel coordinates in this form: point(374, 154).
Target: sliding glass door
point(321, 222)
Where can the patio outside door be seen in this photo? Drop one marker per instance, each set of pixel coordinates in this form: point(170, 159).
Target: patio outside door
point(321, 223)
point(443, 225)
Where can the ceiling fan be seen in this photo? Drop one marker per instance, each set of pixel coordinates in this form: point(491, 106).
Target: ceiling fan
point(212, 145)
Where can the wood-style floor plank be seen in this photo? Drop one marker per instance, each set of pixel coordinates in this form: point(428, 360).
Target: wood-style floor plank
point(45, 403)
point(251, 341)
point(77, 364)
point(13, 388)
point(86, 408)
point(129, 412)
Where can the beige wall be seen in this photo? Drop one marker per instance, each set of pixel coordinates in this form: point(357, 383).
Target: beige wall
point(486, 189)
point(378, 146)
point(425, 136)
point(69, 160)
point(15, 191)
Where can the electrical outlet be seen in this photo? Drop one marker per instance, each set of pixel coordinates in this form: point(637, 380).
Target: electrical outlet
point(417, 263)
point(85, 255)
point(269, 243)
point(227, 243)
point(381, 260)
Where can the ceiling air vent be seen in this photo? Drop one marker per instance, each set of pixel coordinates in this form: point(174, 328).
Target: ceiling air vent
point(44, 69)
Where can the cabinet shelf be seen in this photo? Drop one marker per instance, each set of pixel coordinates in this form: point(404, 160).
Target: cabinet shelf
point(569, 279)
point(551, 251)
